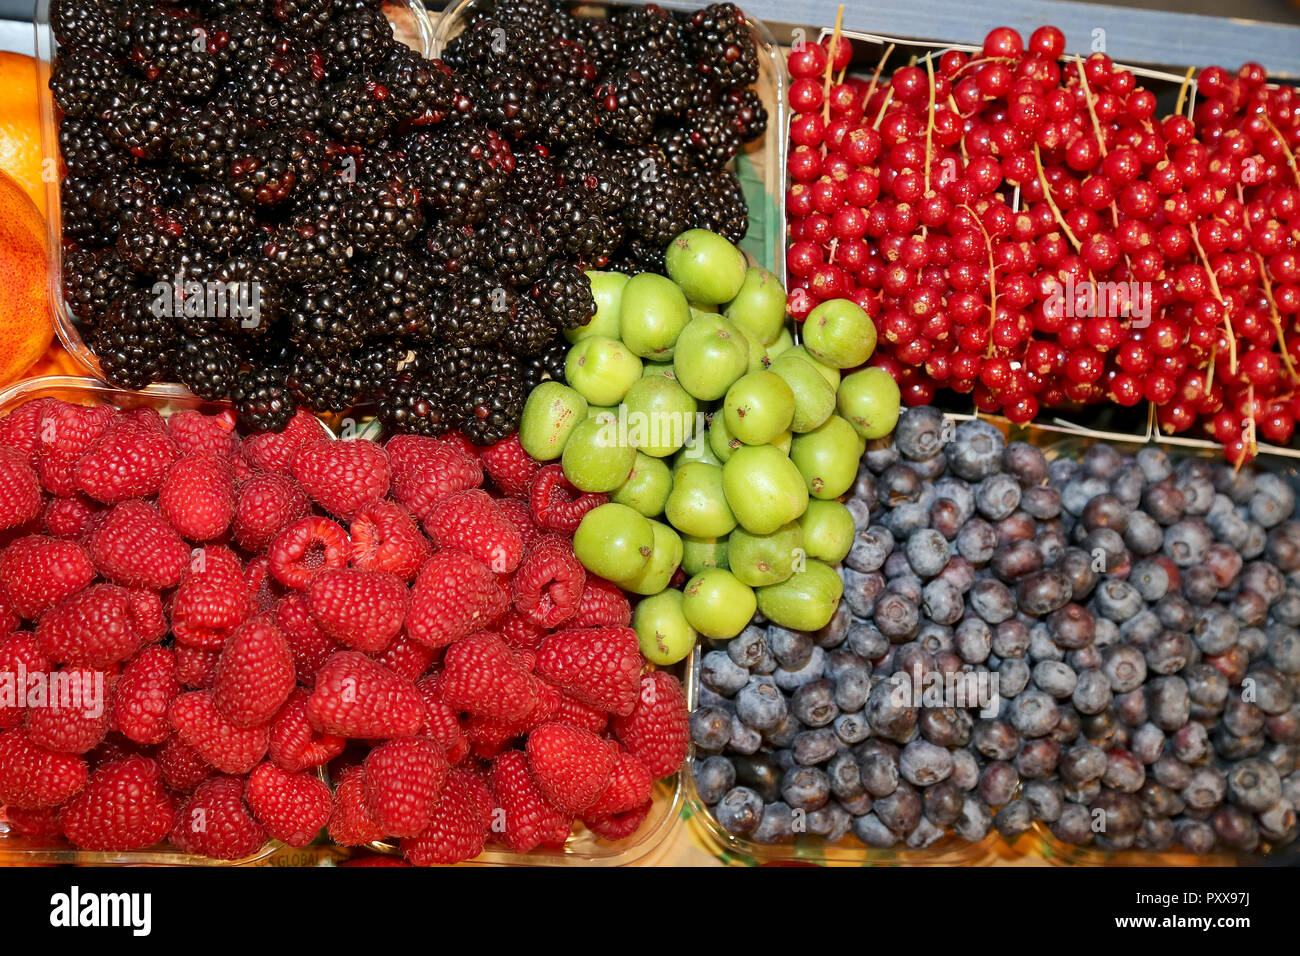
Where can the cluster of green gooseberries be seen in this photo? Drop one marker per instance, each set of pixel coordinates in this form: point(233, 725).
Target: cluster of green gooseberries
point(723, 445)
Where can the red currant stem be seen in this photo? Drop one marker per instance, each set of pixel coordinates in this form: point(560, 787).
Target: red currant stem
point(1092, 109)
point(832, 248)
point(1248, 426)
point(1051, 203)
point(1214, 287)
point(961, 142)
point(978, 62)
point(880, 117)
point(826, 80)
point(929, 122)
point(1275, 317)
point(875, 77)
point(1290, 156)
point(1209, 372)
point(1182, 91)
point(993, 279)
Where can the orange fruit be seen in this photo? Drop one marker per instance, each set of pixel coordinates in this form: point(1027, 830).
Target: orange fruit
point(20, 123)
point(25, 327)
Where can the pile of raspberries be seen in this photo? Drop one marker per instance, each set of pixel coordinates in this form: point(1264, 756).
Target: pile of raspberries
point(294, 632)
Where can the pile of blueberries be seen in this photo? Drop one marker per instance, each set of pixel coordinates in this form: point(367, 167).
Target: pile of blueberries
point(1136, 617)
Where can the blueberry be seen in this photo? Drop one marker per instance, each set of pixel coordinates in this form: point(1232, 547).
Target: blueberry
point(1092, 692)
point(760, 773)
point(942, 602)
point(710, 728)
point(761, 705)
point(1172, 772)
point(740, 812)
point(871, 831)
point(931, 468)
point(720, 673)
point(946, 726)
point(1041, 501)
point(879, 773)
point(1063, 469)
point(788, 679)
point(1073, 826)
point(923, 763)
point(977, 541)
point(812, 747)
point(992, 600)
point(921, 432)
point(1082, 763)
point(1106, 545)
point(906, 519)
point(1254, 785)
point(1010, 638)
point(1071, 627)
point(845, 778)
point(997, 497)
point(1119, 814)
point(890, 711)
point(1013, 676)
point(813, 704)
point(1037, 759)
point(1195, 836)
point(830, 823)
point(1230, 528)
point(1284, 546)
point(711, 698)
point(748, 647)
point(852, 687)
point(965, 770)
point(1104, 634)
point(1205, 790)
point(744, 739)
point(1169, 652)
point(777, 825)
point(1124, 772)
point(833, 633)
point(1016, 560)
point(1249, 608)
point(897, 566)
point(957, 493)
point(1083, 794)
point(1055, 678)
point(1085, 658)
point(861, 590)
point(1077, 566)
point(1273, 692)
point(1159, 800)
point(945, 517)
point(1154, 463)
point(1147, 743)
point(1025, 462)
point(1017, 527)
point(976, 450)
point(1163, 502)
point(1235, 828)
point(805, 788)
point(972, 639)
point(1278, 823)
point(1125, 668)
point(998, 783)
point(1186, 542)
point(895, 616)
point(1256, 542)
point(1079, 491)
point(714, 776)
point(1013, 820)
point(860, 511)
point(1174, 611)
point(1150, 579)
point(995, 739)
point(1045, 799)
point(1198, 496)
point(900, 810)
point(927, 552)
point(1284, 647)
point(1206, 686)
point(851, 728)
point(1117, 600)
point(975, 821)
point(880, 454)
point(866, 641)
point(1267, 511)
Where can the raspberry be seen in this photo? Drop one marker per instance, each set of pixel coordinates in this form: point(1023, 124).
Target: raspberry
point(516, 512)
point(480, 675)
point(42, 825)
point(20, 490)
point(212, 599)
point(530, 821)
point(147, 609)
point(143, 417)
point(470, 521)
point(510, 467)
point(135, 547)
point(38, 572)
point(32, 777)
point(197, 434)
point(342, 476)
point(455, 438)
point(602, 604)
point(143, 693)
point(65, 432)
point(618, 826)
point(363, 610)
point(556, 504)
point(254, 676)
point(404, 779)
point(442, 723)
point(457, 830)
point(265, 504)
point(349, 822)
point(96, 626)
point(122, 807)
point(407, 657)
point(426, 470)
point(272, 451)
point(182, 767)
point(125, 461)
point(19, 656)
point(76, 713)
point(229, 748)
point(70, 518)
point(358, 697)
point(519, 631)
point(9, 619)
point(309, 645)
point(453, 595)
point(215, 822)
point(196, 667)
point(657, 731)
point(630, 788)
point(263, 589)
point(294, 743)
point(304, 549)
point(386, 538)
point(571, 766)
point(597, 666)
point(198, 497)
point(549, 582)
point(580, 715)
point(292, 806)
point(21, 428)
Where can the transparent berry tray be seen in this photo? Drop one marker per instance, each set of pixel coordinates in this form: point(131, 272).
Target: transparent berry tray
point(412, 24)
point(760, 167)
point(582, 849)
point(1038, 846)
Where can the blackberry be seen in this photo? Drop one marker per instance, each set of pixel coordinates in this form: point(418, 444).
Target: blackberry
point(269, 167)
point(262, 400)
point(676, 146)
point(627, 104)
point(92, 279)
point(488, 409)
point(217, 219)
point(380, 364)
point(452, 248)
point(723, 46)
point(321, 319)
point(82, 222)
point(239, 35)
point(568, 116)
point(169, 48)
point(601, 42)
point(456, 365)
point(359, 109)
point(659, 207)
point(151, 241)
point(279, 88)
point(194, 301)
point(570, 222)
point(322, 384)
point(637, 255)
point(474, 310)
point(356, 42)
point(534, 175)
point(385, 206)
point(86, 23)
point(256, 298)
point(142, 127)
point(397, 296)
point(565, 63)
point(650, 29)
point(306, 248)
point(528, 16)
point(207, 366)
point(673, 82)
point(205, 139)
point(564, 295)
point(547, 363)
point(86, 147)
point(515, 252)
point(507, 101)
point(527, 331)
point(421, 89)
point(721, 207)
point(596, 174)
point(133, 343)
point(87, 81)
point(744, 107)
point(488, 45)
point(135, 190)
point(305, 17)
point(455, 175)
point(416, 405)
point(712, 141)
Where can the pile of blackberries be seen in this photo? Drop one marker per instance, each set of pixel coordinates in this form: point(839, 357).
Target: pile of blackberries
point(1125, 630)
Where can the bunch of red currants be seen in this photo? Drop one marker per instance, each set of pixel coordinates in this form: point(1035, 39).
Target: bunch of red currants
point(1028, 230)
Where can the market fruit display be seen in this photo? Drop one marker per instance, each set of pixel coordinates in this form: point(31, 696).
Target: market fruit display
point(1037, 231)
point(1099, 644)
point(287, 208)
point(216, 638)
point(26, 328)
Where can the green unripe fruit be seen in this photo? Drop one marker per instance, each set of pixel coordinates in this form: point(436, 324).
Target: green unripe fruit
point(607, 290)
point(784, 342)
point(758, 408)
point(697, 504)
point(762, 559)
point(832, 375)
point(711, 353)
point(827, 531)
point(662, 630)
point(646, 488)
point(708, 268)
point(764, 488)
point(700, 554)
point(652, 314)
point(759, 306)
point(602, 369)
point(665, 559)
point(839, 333)
point(663, 369)
point(757, 350)
point(717, 605)
point(869, 400)
point(721, 440)
point(696, 449)
point(594, 459)
point(613, 541)
point(660, 415)
point(806, 601)
point(814, 399)
point(550, 414)
point(783, 441)
point(827, 457)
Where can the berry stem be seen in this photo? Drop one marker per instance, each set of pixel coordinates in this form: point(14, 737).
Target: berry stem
point(875, 77)
point(929, 123)
point(1290, 156)
point(1214, 287)
point(993, 281)
point(826, 80)
point(1051, 203)
point(1092, 109)
point(1275, 317)
point(1182, 91)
